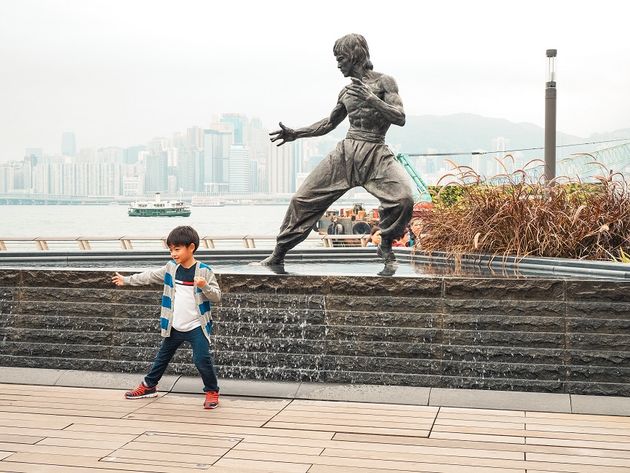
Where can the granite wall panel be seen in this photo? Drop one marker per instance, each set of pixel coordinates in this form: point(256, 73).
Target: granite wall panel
point(547, 335)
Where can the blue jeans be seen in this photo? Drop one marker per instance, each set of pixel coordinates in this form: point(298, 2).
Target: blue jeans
point(201, 358)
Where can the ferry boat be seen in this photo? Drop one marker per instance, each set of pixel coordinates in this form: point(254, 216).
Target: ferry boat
point(159, 208)
point(206, 201)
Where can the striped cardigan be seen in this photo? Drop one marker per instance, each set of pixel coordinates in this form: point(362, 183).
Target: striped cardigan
point(204, 297)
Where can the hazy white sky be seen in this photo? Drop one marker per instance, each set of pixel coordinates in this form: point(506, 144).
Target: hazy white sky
point(119, 72)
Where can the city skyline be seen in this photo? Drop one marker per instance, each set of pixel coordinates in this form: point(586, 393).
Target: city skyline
point(117, 73)
point(228, 157)
point(231, 156)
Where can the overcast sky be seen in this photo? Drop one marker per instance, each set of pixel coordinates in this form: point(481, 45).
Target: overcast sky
point(119, 72)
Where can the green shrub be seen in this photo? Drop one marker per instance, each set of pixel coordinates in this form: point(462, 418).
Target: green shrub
point(520, 218)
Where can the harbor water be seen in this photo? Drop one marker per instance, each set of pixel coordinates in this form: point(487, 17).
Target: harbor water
point(112, 220)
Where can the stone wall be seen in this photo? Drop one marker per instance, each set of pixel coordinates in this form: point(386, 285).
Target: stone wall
point(507, 334)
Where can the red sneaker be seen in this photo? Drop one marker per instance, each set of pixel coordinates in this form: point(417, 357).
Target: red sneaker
point(212, 400)
point(142, 391)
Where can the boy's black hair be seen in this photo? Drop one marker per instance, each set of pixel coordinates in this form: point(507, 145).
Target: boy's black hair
point(183, 235)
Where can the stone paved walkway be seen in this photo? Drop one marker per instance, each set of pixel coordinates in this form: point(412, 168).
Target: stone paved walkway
point(61, 429)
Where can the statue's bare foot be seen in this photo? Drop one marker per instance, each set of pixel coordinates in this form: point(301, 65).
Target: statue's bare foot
point(273, 260)
point(389, 269)
point(386, 253)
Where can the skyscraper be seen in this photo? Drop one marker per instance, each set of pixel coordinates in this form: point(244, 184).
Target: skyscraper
point(189, 172)
point(239, 170)
point(131, 154)
point(194, 137)
point(258, 144)
point(282, 168)
point(110, 154)
point(156, 172)
point(68, 144)
point(216, 155)
point(7, 178)
point(34, 155)
point(238, 124)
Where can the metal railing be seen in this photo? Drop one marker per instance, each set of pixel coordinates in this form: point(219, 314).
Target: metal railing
point(131, 242)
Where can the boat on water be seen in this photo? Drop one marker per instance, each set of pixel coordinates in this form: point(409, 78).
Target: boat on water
point(158, 208)
point(206, 201)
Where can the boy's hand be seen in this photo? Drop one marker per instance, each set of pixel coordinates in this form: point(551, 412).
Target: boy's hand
point(200, 282)
point(118, 280)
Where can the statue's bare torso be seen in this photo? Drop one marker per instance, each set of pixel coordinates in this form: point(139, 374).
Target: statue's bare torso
point(361, 114)
point(371, 103)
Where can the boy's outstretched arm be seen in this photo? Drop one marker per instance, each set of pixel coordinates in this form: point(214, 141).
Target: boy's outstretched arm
point(141, 279)
point(118, 279)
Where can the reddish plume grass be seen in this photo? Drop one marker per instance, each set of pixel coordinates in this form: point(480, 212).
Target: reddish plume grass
point(511, 216)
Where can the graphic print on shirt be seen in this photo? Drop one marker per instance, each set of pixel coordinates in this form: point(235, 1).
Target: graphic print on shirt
point(185, 315)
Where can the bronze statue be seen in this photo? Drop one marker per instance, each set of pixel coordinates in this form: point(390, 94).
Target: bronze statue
point(372, 104)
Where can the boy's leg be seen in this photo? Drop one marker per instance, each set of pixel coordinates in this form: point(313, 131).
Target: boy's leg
point(203, 359)
point(163, 357)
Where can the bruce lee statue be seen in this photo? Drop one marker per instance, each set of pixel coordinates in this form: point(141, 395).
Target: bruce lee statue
point(372, 104)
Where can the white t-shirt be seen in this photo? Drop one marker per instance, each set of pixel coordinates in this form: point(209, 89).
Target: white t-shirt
point(185, 315)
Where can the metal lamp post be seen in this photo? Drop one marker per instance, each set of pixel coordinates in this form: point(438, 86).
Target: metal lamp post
point(550, 116)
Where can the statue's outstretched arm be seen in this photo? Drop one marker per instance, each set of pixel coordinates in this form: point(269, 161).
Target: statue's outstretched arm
point(319, 128)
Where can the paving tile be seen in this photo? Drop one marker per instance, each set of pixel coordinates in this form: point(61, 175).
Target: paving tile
point(236, 387)
point(99, 379)
point(263, 466)
point(610, 405)
point(89, 431)
point(36, 376)
point(364, 393)
point(500, 400)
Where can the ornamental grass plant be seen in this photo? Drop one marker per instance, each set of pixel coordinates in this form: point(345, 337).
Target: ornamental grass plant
point(514, 215)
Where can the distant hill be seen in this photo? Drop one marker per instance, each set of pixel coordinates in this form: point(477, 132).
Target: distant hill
point(466, 132)
point(611, 135)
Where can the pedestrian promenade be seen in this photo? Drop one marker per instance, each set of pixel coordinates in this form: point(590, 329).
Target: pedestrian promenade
point(65, 429)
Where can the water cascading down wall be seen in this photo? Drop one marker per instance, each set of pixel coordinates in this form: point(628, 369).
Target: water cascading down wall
point(545, 335)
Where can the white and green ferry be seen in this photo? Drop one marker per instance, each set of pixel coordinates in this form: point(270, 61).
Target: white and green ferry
point(159, 208)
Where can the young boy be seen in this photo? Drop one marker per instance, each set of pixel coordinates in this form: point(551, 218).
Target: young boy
point(190, 288)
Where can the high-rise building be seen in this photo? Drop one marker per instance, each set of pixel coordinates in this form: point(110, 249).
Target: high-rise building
point(254, 184)
point(7, 178)
point(110, 154)
point(281, 168)
point(157, 145)
point(68, 144)
point(40, 178)
point(156, 172)
point(34, 155)
point(21, 176)
point(88, 154)
point(216, 155)
point(258, 143)
point(130, 155)
point(194, 137)
point(189, 173)
point(239, 170)
point(172, 184)
point(133, 185)
point(69, 178)
point(239, 127)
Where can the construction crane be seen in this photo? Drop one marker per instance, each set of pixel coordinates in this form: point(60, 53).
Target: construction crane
point(421, 193)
